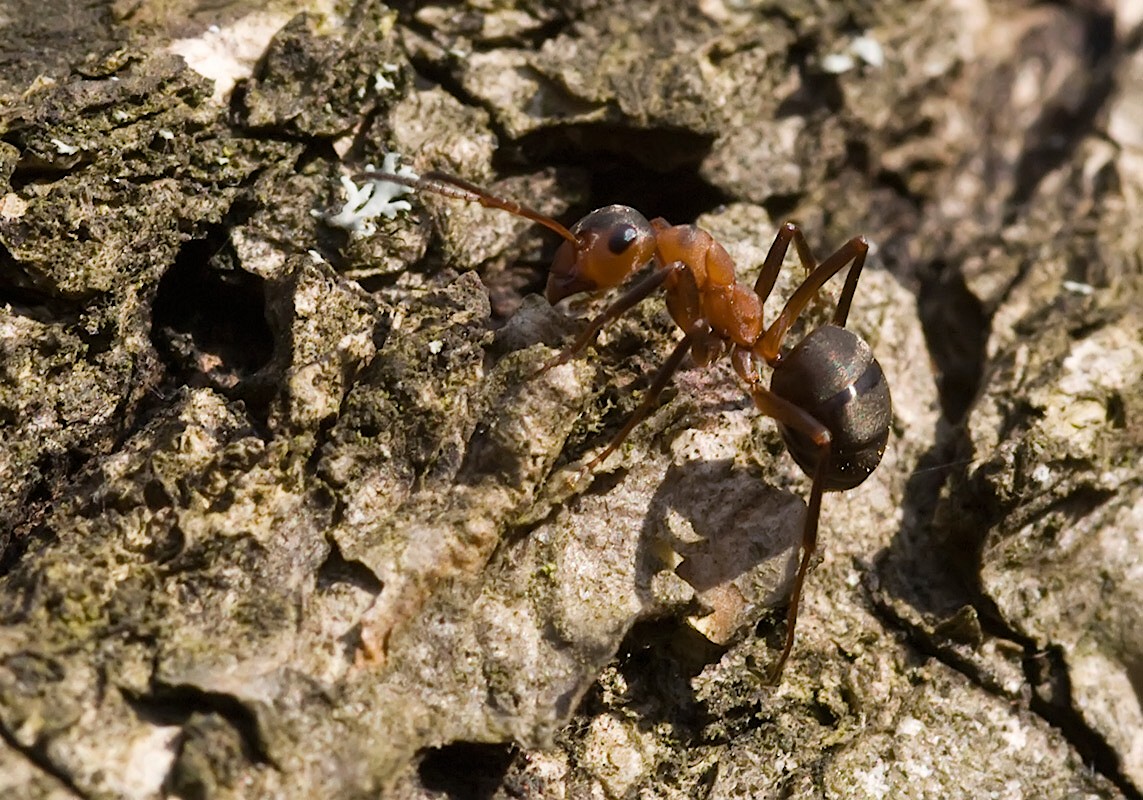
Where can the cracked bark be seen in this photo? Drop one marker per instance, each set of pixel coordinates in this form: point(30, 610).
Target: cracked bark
point(239, 445)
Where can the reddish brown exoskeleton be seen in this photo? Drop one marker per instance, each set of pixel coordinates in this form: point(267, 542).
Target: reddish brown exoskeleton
point(828, 394)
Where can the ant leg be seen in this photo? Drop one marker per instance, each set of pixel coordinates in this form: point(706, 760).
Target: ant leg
point(790, 415)
point(624, 303)
point(684, 303)
point(662, 378)
point(852, 251)
point(768, 276)
point(841, 313)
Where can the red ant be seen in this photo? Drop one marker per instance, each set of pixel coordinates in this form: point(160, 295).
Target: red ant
point(827, 394)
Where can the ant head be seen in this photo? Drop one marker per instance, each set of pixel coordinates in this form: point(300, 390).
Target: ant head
point(610, 244)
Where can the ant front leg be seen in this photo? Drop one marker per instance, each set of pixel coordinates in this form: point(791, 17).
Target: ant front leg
point(791, 416)
point(624, 303)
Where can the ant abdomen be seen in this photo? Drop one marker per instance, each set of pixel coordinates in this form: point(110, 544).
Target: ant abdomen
point(833, 376)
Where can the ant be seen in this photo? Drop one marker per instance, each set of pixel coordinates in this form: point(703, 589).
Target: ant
point(828, 394)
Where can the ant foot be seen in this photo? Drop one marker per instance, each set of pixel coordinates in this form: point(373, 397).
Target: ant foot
point(557, 360)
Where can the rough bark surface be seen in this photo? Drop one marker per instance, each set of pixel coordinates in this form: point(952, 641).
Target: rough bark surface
point(288, 513)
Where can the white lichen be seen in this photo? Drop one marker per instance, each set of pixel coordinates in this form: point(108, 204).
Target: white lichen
point(63, 148)
point(381, 81)
point(837, 63)
point(869, 50)
point(864, 48)
point(374, 198)
point(1076, 287)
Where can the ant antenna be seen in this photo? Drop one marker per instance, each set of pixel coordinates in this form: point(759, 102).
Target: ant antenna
point(459, 189)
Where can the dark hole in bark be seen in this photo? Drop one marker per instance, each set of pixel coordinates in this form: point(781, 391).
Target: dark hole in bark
point(209, 321)
point(466, 770)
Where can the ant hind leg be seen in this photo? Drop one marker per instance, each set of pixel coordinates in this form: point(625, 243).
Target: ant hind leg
point(790, 415)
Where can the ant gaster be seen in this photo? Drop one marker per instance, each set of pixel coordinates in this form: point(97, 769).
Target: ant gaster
point(828, 394)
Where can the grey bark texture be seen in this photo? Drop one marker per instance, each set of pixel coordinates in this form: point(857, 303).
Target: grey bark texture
point(288, 512)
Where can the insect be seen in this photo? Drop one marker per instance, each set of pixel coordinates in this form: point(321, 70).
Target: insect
point(828, 394)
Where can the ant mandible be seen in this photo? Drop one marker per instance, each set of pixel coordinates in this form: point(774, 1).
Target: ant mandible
point(828, 394)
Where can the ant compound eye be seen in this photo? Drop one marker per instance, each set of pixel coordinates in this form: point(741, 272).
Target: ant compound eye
point(621, 238)
point(617, 232)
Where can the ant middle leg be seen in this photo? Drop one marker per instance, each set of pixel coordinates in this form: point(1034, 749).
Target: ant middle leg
point(684, 303)
point(768, 275)
point(852, 252)
point(662, 378)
